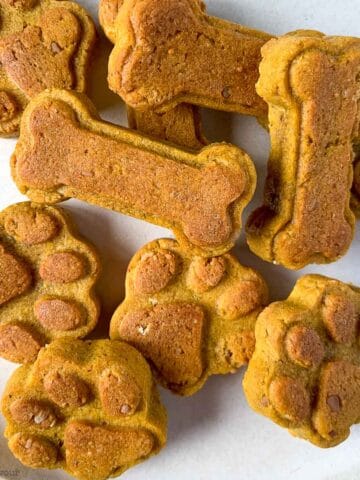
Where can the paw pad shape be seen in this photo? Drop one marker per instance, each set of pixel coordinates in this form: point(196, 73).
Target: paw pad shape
point(191, 317)
point(47, 281)
point(47, 47)
point(305, 371)
point(79, 400)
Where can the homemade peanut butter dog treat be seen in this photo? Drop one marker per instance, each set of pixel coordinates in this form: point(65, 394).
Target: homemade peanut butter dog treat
point(305, 372)
point(65, 150)
point(191, 317)
point(90, 408)
point(313, 121)
point(180, 125)
point(46, 281)
point(43, 44)
point(169, 51)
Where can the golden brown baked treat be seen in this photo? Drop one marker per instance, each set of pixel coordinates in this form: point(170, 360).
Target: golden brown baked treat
point(355, 194)
point(313, 119)
point(47, 277)
point(109, 10)
point(169, 51)
point(305, 372)
point(180, 125)
point(88, 407)
point(191, 317)
point(65, 150)
point(43, 44)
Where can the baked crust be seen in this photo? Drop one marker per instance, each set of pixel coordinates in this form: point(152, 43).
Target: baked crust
point(43, 44)
point(313, 121)
point(305, 371)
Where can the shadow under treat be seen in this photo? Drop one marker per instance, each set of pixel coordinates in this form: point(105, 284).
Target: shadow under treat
point(189, 416)
point(98, 90)
point(114, 258)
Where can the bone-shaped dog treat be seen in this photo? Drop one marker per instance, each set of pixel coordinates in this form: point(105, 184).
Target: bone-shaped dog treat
point(180, 125)
point(169, 51)
point(65, 151)
point(313, 125)
point(43, 44)
point(305, 371)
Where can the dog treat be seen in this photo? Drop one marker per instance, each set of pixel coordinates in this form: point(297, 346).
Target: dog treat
point(180, 125)
point(169, 51)
point(65, 150)
point(47, 280)
point(88, 407)
point(191, 317)
point(355, 197)
point(109, 11)
point(313, 119)
point(43, 44)
point(305, 372)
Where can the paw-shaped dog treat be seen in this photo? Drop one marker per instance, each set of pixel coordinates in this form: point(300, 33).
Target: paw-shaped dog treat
point(305, 372)
point(313, 119)
point(165, 51)
point(89, 407)
point(47, 280)
point(65, 150)
point(191, 317)
point(355, 198)
point(43, 44)
point(181, 125)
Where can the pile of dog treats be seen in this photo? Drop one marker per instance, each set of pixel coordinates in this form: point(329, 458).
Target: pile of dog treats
point(191, 310)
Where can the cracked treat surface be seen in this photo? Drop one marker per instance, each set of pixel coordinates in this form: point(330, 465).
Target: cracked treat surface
point(177, 324)
point(88, 407)
point(164, 50)
point(46, 281)
point(305, 371)
point(43, 44)
point(200, 196)
point(313, 119)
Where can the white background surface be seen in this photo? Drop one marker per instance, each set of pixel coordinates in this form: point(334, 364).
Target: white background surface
point(213, 435)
